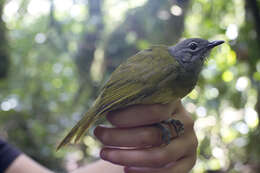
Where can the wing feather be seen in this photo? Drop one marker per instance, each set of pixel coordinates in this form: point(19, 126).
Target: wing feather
point(140, 77)
point(145, 78)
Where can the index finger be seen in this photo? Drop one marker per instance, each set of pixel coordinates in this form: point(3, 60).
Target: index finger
point(140, 115)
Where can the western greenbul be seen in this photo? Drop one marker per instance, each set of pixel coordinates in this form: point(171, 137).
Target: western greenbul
point(160, 74)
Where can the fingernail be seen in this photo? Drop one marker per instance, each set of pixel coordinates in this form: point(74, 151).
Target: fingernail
point(103, 154)
point(97, 131)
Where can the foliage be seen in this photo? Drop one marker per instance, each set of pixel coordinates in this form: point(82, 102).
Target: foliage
point(63, 52)
point(4, 55)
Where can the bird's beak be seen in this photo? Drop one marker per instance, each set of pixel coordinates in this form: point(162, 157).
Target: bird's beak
point(215, 43)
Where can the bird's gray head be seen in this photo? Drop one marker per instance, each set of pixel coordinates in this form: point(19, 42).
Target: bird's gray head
point(191, 53)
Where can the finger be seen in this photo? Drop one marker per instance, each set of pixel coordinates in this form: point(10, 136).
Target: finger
point(139, 115)
point(129, 137)
point(183, 165)
point(155, 157)
point(141, 136)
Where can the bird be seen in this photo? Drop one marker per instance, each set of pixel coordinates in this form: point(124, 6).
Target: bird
point(160, 74)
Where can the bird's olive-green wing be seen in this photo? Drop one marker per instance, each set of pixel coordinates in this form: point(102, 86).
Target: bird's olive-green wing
point(140, 80)
point(143, 78)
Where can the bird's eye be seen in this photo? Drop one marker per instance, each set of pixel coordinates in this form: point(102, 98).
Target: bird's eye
point(193, 45)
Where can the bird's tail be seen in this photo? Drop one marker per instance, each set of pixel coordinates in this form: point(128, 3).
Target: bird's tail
point(78, 130)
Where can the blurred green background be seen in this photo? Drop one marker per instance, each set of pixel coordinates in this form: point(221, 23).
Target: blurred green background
point(55, 54)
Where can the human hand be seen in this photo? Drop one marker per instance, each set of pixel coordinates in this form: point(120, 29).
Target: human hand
point(137, 145)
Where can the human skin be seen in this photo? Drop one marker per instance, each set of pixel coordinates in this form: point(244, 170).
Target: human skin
point(133, 128)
